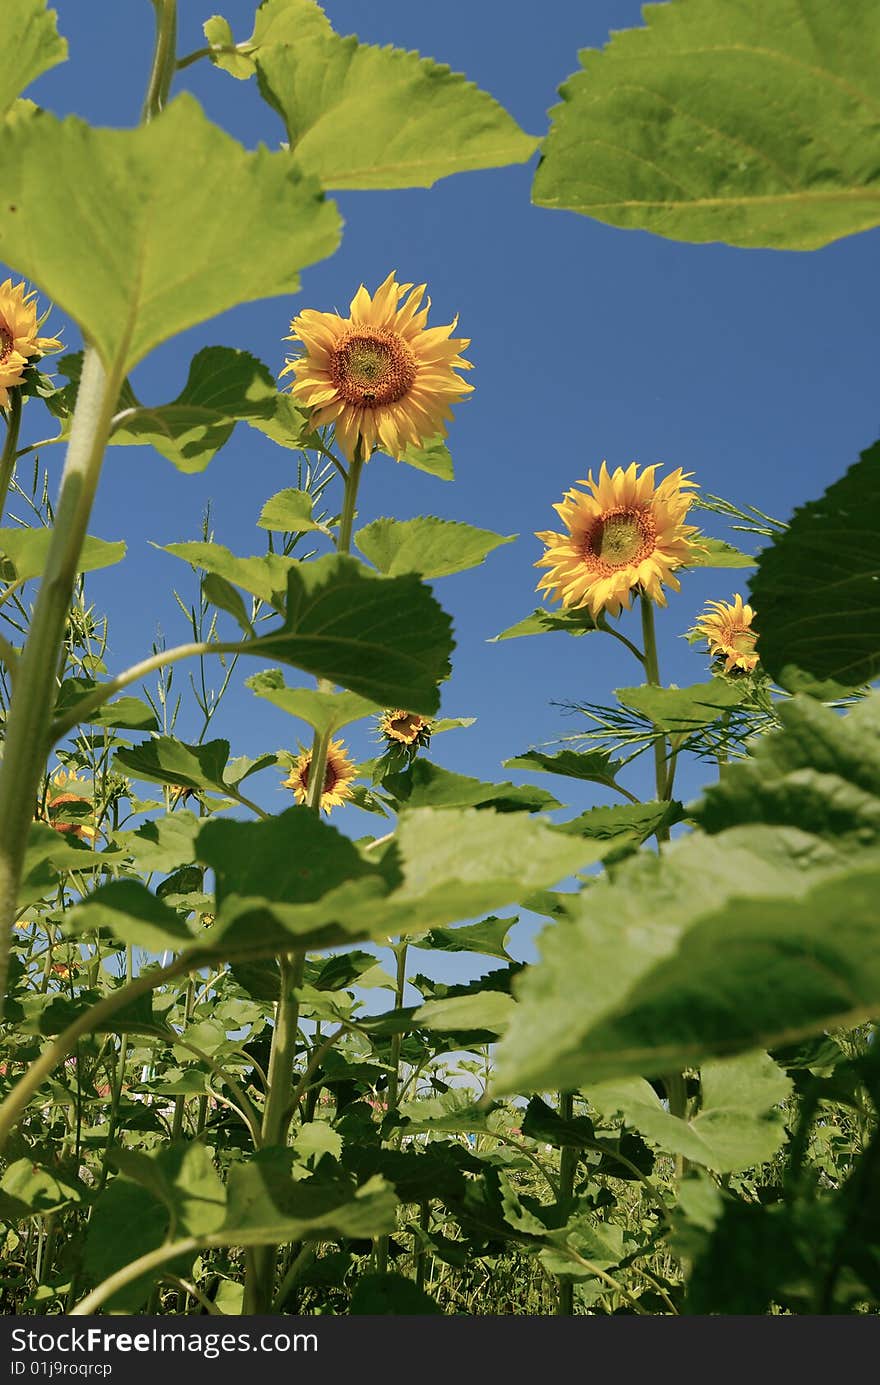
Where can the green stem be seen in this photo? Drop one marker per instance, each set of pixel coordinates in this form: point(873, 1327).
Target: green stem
point(164, 60)
point(34, 693)
point(400, 951)
point(568, 1159)
point(7, 461)
point(652, 673)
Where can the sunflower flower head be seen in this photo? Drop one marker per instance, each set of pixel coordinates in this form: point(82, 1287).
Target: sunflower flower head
point(66, 792)
point(624, 532)
point(728, 628)
point(338, 776)
point(19, 336)
point(402, 728)
point(381, 376)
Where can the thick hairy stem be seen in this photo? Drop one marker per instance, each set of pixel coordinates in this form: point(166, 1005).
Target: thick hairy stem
point(7, 461)
point(652, 672)
point(34, 692)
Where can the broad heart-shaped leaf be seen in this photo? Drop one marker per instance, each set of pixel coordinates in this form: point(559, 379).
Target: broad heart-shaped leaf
point(385, 638)
point(29, 44)
point(628, 822)
point(358, 116)
point(817, 588)
point(264, 576)
point(736, 1127)
point(131, 914)
point(427, 546)
point(726, 120)
point(190, 223)
point(265, 1205)
point(821, 772)
point(126, 713)
point(26, 551)
point(678, 711)
point(426, 785)
point(295, 881)
point(325, 712)
point(541, 622)
point(489, 1010)
point(758, 936)
point(487, 938)
point(433, 456)
point(163, 843)
point(290, 512)
point(166, 760)
point(276, 21)
point(593, 766)
point(223, 386)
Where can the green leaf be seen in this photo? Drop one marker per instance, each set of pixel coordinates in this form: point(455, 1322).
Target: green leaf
point(385, 638)
point(264, 576)
point(717, 553)
point(124, 713)
point(29, 45)
point(166, 760)
point(28, 1187)
point(488, 1010)
point(129, 278)
point(738, 1124)
point(443, 865)
point(359, 116)
point(427, 546)
point(290, 512)
point(376, 1294)
point(817, 589)
point(325, 712)
point(433, 457)
point(488, 938)
point(633, 822)
point(593, 766)
point(425, 784)
point(678, 711)
point(670, 129)
point(131, 914)
point(223, 386)
point(276, 21)
point(265, 1207)
point(28, 549)
point(541, 622)
point(163, 843)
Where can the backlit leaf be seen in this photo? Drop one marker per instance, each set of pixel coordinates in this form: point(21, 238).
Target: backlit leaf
point(29, 44)
point(428, 546)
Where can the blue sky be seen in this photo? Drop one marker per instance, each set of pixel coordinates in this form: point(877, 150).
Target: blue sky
point(755, 370)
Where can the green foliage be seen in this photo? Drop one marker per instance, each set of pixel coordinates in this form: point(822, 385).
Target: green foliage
point(26, 551)
point(541, 622)
point(129, 280)
point(669, 129)
point(326, 712)
point(358, 116)
point(290, 512)
point(29, 44)
point(428, 546)
point(816, 590)
point(680, 711)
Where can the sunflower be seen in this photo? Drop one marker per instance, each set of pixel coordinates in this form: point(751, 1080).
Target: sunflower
point(62, 792)
point(380, 375)
point(623, 533)
point(338, 777)
point(405, 728)
point(18, 336)
point(728, 628)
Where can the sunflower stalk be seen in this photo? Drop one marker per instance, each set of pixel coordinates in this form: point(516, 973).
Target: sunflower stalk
point(7, 461)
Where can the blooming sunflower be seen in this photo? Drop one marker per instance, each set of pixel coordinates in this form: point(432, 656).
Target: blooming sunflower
point(405, 728)
point(63, 785)
point(728, 628)
point(338, 776)
point(379, 375)
point(624, 532)
point(18, 336)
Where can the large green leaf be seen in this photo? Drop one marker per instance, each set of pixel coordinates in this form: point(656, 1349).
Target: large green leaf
point(817, 589)
point(223, 386)
point(29, 44)
point(106, 222)
point(28, 549)
point(263, 576)
point(325, 712)
point(428, 546)
point(678, 711)
point(489, 1010)
point(166, 760)
point(542, 622)
point(738, 1124)
point(276, 21)
point(296, 881)
point(359, 116)
point(290, 512)
point(425, 784)
point(131, 914)
point(728, 120)
point(489, 938)
point(593, 766)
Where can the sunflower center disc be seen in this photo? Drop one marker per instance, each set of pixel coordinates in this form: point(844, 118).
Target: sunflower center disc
point(7, 341)
point(373, 367)
point(405, 726)
point(619, 539)
point(741, 640)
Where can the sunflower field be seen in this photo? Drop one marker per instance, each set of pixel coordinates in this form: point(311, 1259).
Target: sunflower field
point(272, 1042)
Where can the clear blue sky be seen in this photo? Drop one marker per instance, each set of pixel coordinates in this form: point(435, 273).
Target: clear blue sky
point(756, 370)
